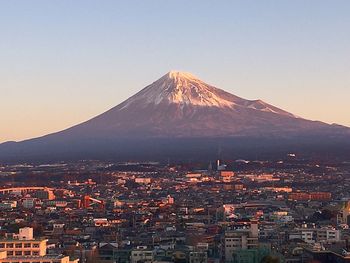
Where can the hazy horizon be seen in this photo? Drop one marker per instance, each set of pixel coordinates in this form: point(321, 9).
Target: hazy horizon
point(65, 62)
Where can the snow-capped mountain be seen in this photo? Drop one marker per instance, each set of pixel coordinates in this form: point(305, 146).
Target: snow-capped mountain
point(181, 113)
point(185, 89)
point(181, 105)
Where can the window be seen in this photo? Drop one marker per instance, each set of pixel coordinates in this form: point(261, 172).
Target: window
point(27, 253)
point(35, 253)
point(26, 245)
point(36, 245)
point(2, 245)
point(9, 245)
point(18, 245)
point(10, 253)
point(18, 253)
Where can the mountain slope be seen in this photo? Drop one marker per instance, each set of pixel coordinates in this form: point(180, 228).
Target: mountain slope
point(179, 113)
point(180, 105)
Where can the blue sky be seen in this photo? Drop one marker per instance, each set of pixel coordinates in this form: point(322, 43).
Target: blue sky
point(63, 62)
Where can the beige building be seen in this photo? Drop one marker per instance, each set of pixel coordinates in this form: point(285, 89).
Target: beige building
point(142, 254)
point(24, 248)
point(240, 239)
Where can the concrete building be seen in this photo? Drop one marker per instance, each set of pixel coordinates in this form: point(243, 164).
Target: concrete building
point(24, 248)
point(312, 235)
point(142, 254)
point(239, 239)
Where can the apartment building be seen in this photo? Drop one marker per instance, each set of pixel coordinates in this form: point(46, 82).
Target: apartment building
point(24, 248)
point(238, 239)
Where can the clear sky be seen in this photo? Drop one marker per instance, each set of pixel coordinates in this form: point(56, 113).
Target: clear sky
point(63, 62)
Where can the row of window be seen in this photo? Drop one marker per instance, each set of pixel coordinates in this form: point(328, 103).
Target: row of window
point(19, 245)
point(235, 245)
point(24, 253)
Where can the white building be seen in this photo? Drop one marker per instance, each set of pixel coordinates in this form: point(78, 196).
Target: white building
point(312, 235)
point(142, 254)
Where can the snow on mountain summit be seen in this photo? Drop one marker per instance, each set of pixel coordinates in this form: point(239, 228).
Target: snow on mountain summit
point(185, 89)
point(180, 88)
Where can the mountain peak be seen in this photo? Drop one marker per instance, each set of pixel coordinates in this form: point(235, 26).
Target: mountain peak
point(174, 74)
point(183, 90)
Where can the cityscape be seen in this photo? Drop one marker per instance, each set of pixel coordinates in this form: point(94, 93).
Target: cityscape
point(291, 210)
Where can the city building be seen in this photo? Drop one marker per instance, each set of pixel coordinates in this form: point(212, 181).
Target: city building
point(24, 248)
